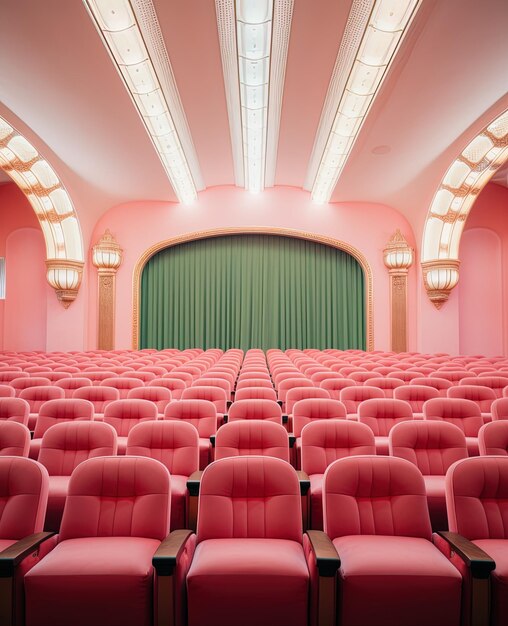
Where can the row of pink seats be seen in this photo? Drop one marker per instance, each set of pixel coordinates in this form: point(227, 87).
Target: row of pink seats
point(114, 563)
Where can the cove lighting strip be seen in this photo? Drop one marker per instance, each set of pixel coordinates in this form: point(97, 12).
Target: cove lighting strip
point(254, 38)
point(123, 37)
point(386, 27)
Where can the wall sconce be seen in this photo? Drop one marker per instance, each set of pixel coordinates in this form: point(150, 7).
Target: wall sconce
point(107, 258)
point(440, 277)
point(398, 257)
point(65, 278)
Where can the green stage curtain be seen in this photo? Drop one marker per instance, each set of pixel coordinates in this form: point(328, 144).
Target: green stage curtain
point(252, 291)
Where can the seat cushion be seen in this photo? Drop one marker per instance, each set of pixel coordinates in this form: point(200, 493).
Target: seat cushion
point(435, 488)
point(58, 488)
point(94, 580)
point(406, 580)
point(316, 501)
point(253, 582)
point(178, 501)
point(498, 550)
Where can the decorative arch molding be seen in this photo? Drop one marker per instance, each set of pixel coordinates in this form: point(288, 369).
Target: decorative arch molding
point(53, 207)
point(260, 230)
point(452, 203)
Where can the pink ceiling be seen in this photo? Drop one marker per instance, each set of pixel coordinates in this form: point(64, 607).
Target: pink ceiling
point(59, 87)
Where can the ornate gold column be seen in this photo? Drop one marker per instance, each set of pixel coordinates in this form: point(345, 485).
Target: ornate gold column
point(398, 258)
point(107, 257)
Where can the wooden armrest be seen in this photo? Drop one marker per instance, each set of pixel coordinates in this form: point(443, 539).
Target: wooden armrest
point(327, 559)
point(304, 482)
point(292, 440)
point(193, 483)
point(166, 557)
point(285, 418)
point(479, 561)
point(13, 555)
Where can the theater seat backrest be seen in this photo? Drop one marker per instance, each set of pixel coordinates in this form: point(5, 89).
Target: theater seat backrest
point(256, 393)
point(255, 409)
point(64, 446)
point(325, 441)
point(64, 410)
point(125, 414)
point(431, 445)
point(117, 497)
point(202, 414)
point(477, 497)
point(14, 409)
point(493, 438)
point(173, 443)
point(368, 495)
point(14, 439)
point(252, 437)
point(310, 409)
point(23, 497)
point(250, 496)
point(463, 413)
point(381, 414)
point(295, 394)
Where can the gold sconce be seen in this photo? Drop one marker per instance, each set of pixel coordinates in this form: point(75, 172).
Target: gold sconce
point(440, 277)
point(65, 278)
point(398, 257)
point(107, 258)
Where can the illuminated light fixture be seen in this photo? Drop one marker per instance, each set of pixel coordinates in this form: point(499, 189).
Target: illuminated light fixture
point(398, 256)
point(53, 208)
point(450, 207)
point(254, 41)
point(126, 42)
point(386, 26)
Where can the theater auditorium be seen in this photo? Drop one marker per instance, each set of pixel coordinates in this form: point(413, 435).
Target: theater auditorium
point(253, 313)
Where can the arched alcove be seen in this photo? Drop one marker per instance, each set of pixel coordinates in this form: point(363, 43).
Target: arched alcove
point(253, 289)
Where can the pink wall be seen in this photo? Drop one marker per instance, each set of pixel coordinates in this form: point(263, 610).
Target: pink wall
point(139, 225)
point(26, 291)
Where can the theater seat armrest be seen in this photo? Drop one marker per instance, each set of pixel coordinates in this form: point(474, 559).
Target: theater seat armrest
point(13, 555)
point(304, 479)
point(166, 557)
point(212, 440)
point(229, 403)
point(193, 483)
point(279, 402)
point(285, 418)
point(292, 440)
point(327, 559)
point(480, 563)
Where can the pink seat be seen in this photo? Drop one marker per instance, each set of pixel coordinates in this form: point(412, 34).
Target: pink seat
point(295, 394)
point(375, 512)
point(454, 376)
point(213, 394)
point(493, 439)
point(176, 445)
point(499, 409)
point(388, 385)
point(97, 376)
point(210, 380)
point(8, 376)
point(440, 384)
point(432, 446)
point(25, 383)
point(64, 446)
point(14, 439)
point(116, 515)
point(476, 498)
point(256, 393)
point(381, 415)
point(23, 497)
point(203, 416)
point(325, 441)
point(99, 396)
point(351, 397)
point(405, 375)
point(160, 396)
point(416, 396)
point(285, 385)
point(54, 412)
point(247, 437)
point(6, 391)
point(496, 383)
point(144, 377)
point(249, 561)
point(123, 384)
point(175, 385)
point(483, 396)
point(254, 382)
point(15, 410)
point(69, 385)
point(462, 413)
point(255, 409)
point(123, 415)
point(335, 385)
point(36, 397)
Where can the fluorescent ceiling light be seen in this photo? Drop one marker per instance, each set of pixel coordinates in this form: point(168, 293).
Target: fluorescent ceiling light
point(122, 35)
point(387, 24)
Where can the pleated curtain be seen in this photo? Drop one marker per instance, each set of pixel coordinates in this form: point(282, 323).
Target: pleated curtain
point(252, 291)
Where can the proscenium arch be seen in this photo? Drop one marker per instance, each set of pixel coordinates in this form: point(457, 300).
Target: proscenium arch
point(282, 232)
point(460, 187)
point(53, 207)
